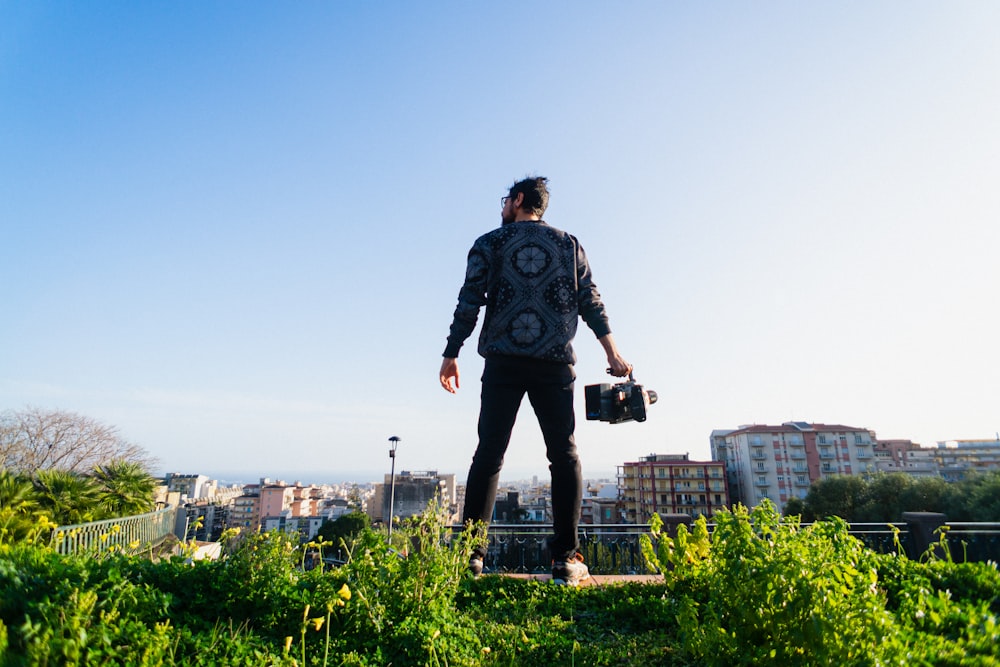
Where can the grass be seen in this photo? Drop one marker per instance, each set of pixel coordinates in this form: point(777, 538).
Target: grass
point(760, 590)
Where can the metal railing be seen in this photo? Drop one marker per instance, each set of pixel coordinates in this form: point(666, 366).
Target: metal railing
point(128, 534)
point(614, 548)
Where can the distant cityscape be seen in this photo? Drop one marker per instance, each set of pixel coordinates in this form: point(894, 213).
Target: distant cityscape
point(748, 464)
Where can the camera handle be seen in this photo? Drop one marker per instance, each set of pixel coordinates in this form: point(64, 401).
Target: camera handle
point(630, 378)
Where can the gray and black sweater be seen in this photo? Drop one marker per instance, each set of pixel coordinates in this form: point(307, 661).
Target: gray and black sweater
point(535, 282)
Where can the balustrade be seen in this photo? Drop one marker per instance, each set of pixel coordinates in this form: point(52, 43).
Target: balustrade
point(126, 533)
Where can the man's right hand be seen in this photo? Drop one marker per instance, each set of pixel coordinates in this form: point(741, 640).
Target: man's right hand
point(449, 370)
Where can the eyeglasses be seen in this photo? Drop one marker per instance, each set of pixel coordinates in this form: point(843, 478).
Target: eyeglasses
point(503, 200)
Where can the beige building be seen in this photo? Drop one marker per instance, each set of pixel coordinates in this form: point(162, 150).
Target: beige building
point(905, 456)
point(671, 484)
point(957, 459)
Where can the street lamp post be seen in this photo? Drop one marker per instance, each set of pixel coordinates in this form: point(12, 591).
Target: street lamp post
point(393, 442)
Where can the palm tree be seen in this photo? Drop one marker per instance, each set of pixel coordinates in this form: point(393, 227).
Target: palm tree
point(68, 497)
point(17, 506)
point(126, 488)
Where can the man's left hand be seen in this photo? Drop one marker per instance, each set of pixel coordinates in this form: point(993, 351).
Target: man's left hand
point(449, 370)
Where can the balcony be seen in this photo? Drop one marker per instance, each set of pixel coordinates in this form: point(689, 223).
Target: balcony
point(763, 483)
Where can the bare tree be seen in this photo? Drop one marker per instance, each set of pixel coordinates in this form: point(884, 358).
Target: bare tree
point(33, 439)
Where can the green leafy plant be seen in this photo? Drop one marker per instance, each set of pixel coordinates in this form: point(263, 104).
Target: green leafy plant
point(758, 590)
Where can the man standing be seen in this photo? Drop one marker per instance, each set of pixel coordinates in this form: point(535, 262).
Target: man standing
point(535, 283)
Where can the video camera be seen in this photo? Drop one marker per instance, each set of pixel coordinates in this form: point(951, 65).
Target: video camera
point(617, 403)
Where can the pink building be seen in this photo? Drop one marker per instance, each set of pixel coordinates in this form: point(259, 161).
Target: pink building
point(275, 499)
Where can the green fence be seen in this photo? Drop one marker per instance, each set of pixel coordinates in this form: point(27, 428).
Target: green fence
point(129, 534)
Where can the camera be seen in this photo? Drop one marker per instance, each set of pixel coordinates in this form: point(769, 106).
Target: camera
point(617, 403)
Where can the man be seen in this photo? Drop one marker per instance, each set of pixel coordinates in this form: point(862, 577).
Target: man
point(535, 283)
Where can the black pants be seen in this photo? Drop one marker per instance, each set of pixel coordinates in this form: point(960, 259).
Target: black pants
point(550, 390)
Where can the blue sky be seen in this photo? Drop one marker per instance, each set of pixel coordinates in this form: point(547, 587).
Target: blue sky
point(237, 231)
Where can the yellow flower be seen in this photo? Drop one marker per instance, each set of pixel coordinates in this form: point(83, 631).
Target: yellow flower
point(344, 592)
point(288, 644)
point(115, 529)
point(318, 622)
point(133, 545)
point(105, 536)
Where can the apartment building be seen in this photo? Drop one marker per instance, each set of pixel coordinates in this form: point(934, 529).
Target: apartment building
point(671, 484)
point(600, 511)
point(956, 459)
point(905, 456)
point(781, 462)
point(305, 526)
point(413, 491)
point(191, 487)
point(245, 512)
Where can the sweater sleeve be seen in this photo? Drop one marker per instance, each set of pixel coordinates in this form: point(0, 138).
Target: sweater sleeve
point(589, 302)
point(471, 298)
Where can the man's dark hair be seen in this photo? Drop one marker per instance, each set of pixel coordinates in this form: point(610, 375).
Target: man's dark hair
point(536, 194)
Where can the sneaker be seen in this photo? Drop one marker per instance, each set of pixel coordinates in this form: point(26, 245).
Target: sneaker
point(475, 566)
point(570, 573)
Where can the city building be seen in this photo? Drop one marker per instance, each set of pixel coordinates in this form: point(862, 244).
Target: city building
point(598, 510)
point(413, 491)
point(191, 487)
point(671, 484)
point(957, 459)
point(600, 504)
point(275, 499)
point(781, 462)
point(245, 512)
point(306, 526)
point(905, 456)
point(203, 520)
point(507, 509)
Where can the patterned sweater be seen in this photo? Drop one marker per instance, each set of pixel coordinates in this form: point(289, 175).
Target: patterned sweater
point(535, 282)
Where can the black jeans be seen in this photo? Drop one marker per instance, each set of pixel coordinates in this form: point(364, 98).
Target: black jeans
point(550, 390)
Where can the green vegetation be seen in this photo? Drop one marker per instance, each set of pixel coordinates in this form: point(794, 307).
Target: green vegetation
point(884, 497)
point(62, 498)
point(759, 590)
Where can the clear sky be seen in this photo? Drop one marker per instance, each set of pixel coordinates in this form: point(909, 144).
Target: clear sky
point(237, 231)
